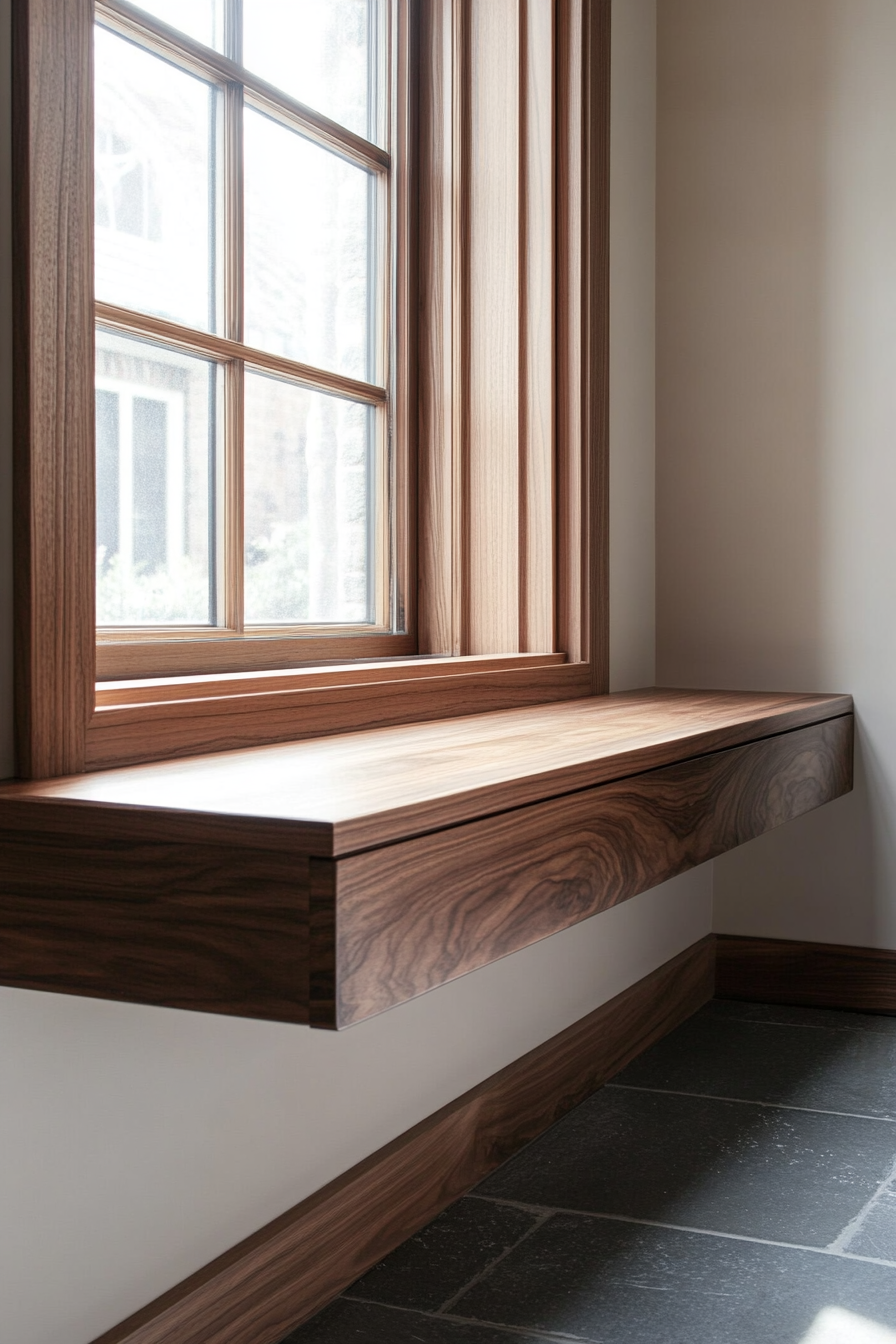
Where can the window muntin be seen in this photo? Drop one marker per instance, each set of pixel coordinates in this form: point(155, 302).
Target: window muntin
point(227, 218)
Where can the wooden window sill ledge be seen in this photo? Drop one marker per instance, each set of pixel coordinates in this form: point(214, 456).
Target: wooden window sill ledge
point(162, 718)
point(329, 880)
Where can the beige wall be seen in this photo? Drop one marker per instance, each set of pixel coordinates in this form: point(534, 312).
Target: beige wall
point(135, 1143)
point(776, 447)
point(633, 332)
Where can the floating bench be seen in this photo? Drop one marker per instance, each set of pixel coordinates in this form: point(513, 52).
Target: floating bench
point(329, 880)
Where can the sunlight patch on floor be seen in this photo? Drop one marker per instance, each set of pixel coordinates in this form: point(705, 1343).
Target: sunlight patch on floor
point(836, 1326)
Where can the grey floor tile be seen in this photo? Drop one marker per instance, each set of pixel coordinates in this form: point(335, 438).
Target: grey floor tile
point(797, 1016)
point(877, 1235)
point(618, 1283)
point(792, 1176)
point(824, 1068)
point(347, 1322)
point(435, 1264)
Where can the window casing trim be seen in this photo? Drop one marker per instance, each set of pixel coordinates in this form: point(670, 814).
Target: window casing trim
point(59, 728)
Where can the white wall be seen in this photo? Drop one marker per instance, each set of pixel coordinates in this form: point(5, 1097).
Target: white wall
point(776, 447)
point(138, 1143)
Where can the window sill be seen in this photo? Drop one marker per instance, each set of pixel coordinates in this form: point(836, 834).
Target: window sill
point(158, 719)
point(328, 881)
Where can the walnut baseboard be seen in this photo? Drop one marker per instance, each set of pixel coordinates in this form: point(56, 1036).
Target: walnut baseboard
point(261, 1289)
point(814, 975)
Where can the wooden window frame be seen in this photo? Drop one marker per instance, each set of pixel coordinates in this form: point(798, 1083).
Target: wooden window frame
point(488, 636)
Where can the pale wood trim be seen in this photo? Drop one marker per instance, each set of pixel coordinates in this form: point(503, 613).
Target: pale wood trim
point(219, 347)
point(459, 385)
point(537, 317)
point(214, 65)
point(571, 535)
point(157, 690)
point(54, 527)
point(492, 532)
point(513, 246)
point(441, 339)
point(230, 518)
point(127, 735)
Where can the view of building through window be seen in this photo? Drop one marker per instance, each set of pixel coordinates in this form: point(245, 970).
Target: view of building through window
point(231, 215)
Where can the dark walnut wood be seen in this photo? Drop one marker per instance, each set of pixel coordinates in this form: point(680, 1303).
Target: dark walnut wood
point(264, 1287)
point(331, 880)
point(219, 929)
point(390, 924)
point(816, 975)
point(363, 790)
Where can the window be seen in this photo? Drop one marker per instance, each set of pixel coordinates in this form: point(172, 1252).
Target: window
point(244, 261)
point(302, 469)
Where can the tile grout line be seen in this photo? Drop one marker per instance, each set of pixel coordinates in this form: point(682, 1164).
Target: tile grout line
point(808, 1026)
point(477, 1278)
point(746, 1101)
point(518, 1331)
point(681, 1227)
point(839, 1244)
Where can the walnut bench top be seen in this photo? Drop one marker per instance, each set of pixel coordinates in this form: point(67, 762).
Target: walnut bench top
point(341, 795)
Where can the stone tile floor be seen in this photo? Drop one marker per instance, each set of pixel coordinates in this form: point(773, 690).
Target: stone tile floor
point(736, 1184)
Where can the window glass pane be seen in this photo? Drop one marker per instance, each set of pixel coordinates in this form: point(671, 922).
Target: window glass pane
point(155, 439)
point(307, 271)
point(201, 19)
point(319, 53)
point(154, 184)
point(307, 519)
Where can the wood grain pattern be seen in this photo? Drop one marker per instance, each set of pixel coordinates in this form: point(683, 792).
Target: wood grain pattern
point(156, 690)
point(816, 975)
point(440, 414)
point(216, 929)
point(53, 386)
point(207, 654)
point(367, 789)
point(407, 856)
point(409, 917)
point(264, 1287)
point(537, 580)
point(571, 536)
point(513, 276)
point(121, 735)
point(492, 532)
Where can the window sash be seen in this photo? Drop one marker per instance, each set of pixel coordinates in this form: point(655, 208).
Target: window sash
point(148, 650)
